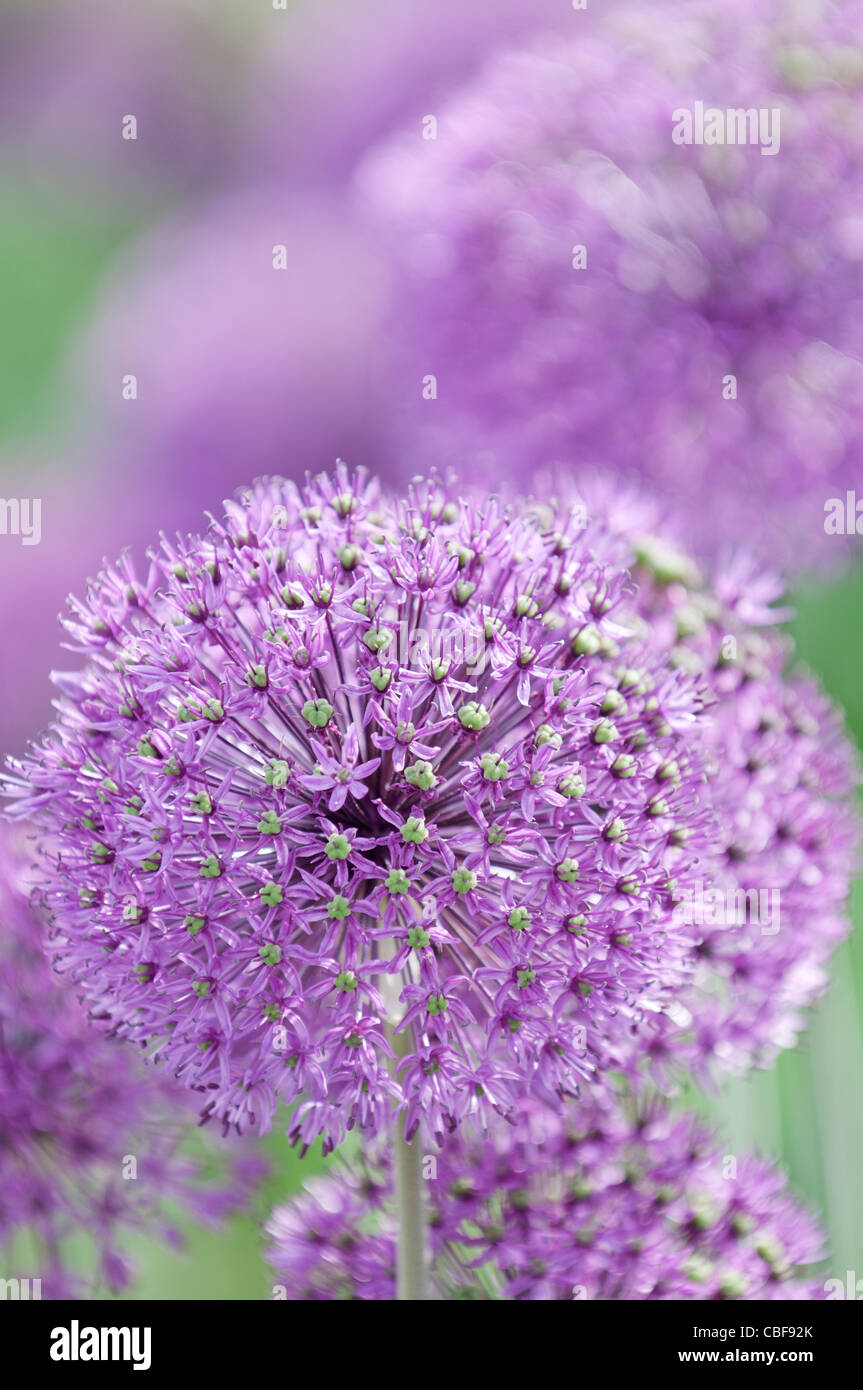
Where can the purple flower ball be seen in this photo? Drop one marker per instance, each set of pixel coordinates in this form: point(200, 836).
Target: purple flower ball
point(585, 290)
point(349, 777)
point(417, 806)
point(771, 902)
point(606, 1201)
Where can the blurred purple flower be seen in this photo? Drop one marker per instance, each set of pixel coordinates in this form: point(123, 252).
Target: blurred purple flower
point(772, 904)
point(334, 78)
point(583, 288)
point(90, 1135)
point(604, 1202)
point(252, 332)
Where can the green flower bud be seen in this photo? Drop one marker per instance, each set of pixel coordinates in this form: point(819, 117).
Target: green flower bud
point(337, 847)
point(613, 703)
point(256, 676)
point(474, 716)
point(604, 732)
point(462, 591)
point(624, 765)
point(572, 785)
point(397, 881)
point(464, 880)
point(349, 556)
point(567, 870)
point(377, 639)
point(586, 642)
point(668, 772)
point(318, 713)
point(494, 768)
point(421, 774)
point(414, 831)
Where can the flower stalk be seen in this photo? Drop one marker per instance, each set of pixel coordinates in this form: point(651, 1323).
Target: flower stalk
point(411, 1255)
point(412, 1262)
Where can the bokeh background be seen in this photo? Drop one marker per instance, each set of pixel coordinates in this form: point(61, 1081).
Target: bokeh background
point(152, 257)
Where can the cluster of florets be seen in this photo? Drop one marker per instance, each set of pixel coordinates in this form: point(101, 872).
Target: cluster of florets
point(602, 1202)
point(90, 1136)
point(348, 778)
point(771, 903)
point(592, 283)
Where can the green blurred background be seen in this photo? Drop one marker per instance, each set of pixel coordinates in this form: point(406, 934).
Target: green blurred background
point(57, 247)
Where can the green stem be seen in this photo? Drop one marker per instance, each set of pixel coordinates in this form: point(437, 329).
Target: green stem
point(412, 1248)
point(410, 1208)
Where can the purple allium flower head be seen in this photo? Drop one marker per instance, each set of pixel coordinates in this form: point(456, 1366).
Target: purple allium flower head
point(605, 1201)
point(586, 290)
point(772, 903)
point(90, 1137)
point(349, 776)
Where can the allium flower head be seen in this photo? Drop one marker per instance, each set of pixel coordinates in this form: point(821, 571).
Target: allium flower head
point(602, 1202)
point(587, 291)
point(771, 903)
point(350, 777)
point(90, 1137)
